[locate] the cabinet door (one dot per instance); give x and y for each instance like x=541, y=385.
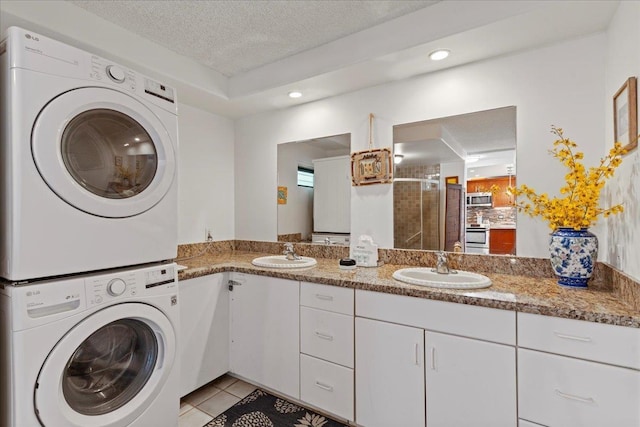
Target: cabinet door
x=204, y=330
x=469, y=382
x=265, y=332
x=502, y=241
x=501, y=198
x=389, y=374
x=332, y=195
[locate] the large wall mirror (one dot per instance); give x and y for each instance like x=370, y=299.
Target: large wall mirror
x=314, y=190
x=451, y=182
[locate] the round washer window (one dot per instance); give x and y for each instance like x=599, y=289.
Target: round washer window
x=110, y=367
x=109, y=153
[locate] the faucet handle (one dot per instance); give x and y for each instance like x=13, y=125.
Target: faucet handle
x=288, y=247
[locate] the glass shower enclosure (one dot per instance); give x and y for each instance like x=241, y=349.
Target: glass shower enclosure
x=416, y=210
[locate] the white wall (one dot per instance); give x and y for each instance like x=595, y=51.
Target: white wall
x=622, y=248
x=206, y=185
x=560, y=85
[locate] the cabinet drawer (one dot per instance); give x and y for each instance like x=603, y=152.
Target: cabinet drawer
x=483, y=323
x=326, y=297
x=327, y=386
x=327, y=335
x=560, y=391
x=617, y=345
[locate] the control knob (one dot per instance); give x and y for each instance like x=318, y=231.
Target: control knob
x=116, y=287
x=115, y=73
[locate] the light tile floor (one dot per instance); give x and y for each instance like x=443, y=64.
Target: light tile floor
x=209, y=401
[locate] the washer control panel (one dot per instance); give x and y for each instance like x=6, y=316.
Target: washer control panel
x=129, y=284
x=39, y=303
x=106, y=288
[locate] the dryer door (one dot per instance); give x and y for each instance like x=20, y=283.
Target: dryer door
x=108, y=369
x=103, y=152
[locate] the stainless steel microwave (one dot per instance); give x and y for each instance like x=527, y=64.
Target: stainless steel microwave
x=479, y=199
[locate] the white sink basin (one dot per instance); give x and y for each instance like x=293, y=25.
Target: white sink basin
x=424, y=276
x=281, y=261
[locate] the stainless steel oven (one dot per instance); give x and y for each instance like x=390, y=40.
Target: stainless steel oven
x=477, y=239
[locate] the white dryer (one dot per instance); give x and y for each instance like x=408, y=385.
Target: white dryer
x=88, y=160
x=91, y=351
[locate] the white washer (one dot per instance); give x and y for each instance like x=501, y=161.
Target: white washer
x=91, y=351
x=88, y=159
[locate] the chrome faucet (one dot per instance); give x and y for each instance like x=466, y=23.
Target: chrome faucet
x=290, y=252
x=327, y=241
x=442, y=266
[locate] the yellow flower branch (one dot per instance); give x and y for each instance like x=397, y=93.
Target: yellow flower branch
x=580, y=207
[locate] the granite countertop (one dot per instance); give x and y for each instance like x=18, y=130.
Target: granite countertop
x=508, y=292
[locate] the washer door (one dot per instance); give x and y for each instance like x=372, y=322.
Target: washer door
x=107, y=369
x=103, y=152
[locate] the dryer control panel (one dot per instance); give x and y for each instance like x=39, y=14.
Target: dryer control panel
x=30, y=51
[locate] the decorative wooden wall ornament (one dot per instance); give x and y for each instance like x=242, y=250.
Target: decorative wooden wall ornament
x=372, y=166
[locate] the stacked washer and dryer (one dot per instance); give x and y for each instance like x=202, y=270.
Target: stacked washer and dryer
x=88, y=225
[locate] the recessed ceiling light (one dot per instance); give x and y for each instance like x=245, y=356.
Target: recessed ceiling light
x=136, y=139
x=295, y=94
x=472, y=158
x=397, y=158
x=439, y=54
x=126, y=145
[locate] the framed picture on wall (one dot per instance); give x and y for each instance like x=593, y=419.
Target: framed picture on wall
x=625, y=115
x=282, y=195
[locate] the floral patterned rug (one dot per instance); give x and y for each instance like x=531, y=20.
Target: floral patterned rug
x=261, y=409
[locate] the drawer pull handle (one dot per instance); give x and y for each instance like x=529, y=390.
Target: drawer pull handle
x=324, y=386
x=324, y=297
x=574, y=397
x=324, y=336
x=417, y=351
x=572, y=337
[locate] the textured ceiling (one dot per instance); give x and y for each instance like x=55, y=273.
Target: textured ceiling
x=232, y=37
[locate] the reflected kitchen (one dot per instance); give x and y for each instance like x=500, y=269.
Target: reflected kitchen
x=451, y=183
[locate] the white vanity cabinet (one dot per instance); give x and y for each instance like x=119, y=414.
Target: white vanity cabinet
x=326, y=348
x=575, y=373
x=463, y=356
x=264, y=331
x=389, y=374
x=469, y=382
x=204, y=330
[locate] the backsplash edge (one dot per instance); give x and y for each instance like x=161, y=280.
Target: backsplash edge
x=606, y=277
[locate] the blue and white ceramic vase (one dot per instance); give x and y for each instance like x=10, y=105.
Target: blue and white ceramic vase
x=573, y=256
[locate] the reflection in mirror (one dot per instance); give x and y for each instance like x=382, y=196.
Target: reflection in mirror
x=436, y=163
x=314, y=190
